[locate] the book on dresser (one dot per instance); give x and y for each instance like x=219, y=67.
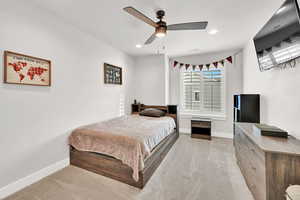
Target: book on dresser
x=269, y=164
x=267, y=130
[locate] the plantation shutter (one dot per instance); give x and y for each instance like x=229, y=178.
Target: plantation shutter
x=192, y=87
x=202, y=91
x=212, y=81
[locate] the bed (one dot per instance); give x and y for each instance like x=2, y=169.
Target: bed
x=128, y=148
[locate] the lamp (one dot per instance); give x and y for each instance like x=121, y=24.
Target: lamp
x=161, y=31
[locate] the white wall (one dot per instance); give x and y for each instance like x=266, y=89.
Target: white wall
x=222, y=128
x=149, y=80
x=279, y=89
x=167, y=79
x=36, y=121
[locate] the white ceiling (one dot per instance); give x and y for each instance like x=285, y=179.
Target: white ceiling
x=236, y=20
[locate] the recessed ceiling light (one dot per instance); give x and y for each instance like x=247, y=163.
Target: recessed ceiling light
x=213, y=31
x=138, y=46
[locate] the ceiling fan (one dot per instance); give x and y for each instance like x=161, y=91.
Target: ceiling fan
x=161, y=26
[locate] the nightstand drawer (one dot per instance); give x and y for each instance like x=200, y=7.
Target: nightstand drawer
x=201, y=129
x=201, y=124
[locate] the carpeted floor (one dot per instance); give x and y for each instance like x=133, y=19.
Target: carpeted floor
x=193, y=170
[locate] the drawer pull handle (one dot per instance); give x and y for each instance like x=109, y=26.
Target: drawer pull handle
x=254, y=168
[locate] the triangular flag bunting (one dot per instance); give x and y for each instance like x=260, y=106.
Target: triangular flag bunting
x=187, y=66
x=260, y=53
x=278, y=45
x=175, y=63
x=200, y=67
x=222, y=62
x=269, y=49
x=288, y=40
x=207, y=66
x=216, y=64
x=229, y=59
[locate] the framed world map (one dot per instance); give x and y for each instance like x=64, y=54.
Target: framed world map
x=26, y=70
x=112, y=74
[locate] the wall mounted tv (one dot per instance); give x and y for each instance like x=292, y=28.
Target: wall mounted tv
x=278, y=42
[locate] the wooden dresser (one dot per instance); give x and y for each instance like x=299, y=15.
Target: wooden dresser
x=269, y=164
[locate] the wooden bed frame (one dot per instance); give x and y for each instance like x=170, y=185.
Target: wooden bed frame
x=113, y=168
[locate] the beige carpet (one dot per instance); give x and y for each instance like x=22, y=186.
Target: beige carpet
x=193, y=170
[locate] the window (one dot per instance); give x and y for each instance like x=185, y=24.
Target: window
x=279, y=55
x=202, y=92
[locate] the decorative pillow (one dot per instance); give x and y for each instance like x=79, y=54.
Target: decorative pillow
x=152, y=112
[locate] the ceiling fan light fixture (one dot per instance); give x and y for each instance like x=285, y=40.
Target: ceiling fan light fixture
x=161, y=26
x=160, y=35
x=161, y=32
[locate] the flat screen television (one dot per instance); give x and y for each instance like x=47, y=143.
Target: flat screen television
x=278, y=42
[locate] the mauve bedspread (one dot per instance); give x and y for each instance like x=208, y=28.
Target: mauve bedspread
x=128, y=138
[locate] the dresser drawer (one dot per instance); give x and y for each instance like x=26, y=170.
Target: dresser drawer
x=251, y=162
x=251, y=153
x=257, y=187
x=254, y=178
x=241, y=145
x=255, y=152
x=270, y=165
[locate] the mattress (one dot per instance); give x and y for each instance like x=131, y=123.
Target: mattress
x=128, y=138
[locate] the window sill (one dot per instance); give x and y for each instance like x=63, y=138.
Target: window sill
x=221, y=117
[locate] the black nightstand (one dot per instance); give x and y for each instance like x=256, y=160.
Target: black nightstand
x=135, y=108
x=201, y=129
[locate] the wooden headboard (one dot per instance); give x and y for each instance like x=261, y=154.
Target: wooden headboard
x=163, y=108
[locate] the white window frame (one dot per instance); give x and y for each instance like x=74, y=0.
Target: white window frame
x=193, y=113
x=279, y=55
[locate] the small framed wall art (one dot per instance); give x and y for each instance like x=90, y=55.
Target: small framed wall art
x=112, y=74
x=26, y=70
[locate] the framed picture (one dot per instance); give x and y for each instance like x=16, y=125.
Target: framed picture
x=26, y=70
x=112, y=74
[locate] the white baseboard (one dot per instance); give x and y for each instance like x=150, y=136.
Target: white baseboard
x=214, y=134
x=185, y=130
x=32, y=178
x=222, y=135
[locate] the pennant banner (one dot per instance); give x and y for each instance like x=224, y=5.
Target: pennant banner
x=229, y=59
x=222, y=62
x=187, y=66
x=175, y=63
x=207, y=66
x=216, y=64
x=200, y=67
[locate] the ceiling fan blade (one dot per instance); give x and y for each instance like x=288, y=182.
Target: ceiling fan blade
x=134, y=12
x=151, y=39
x=188, y=26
